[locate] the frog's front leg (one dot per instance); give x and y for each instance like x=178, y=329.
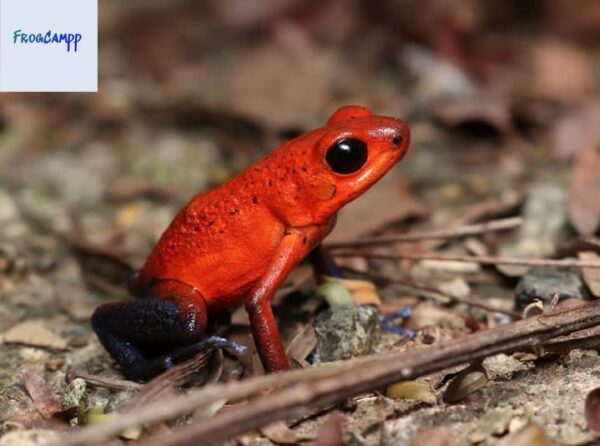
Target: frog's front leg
x=293, y=247
x=176, y=315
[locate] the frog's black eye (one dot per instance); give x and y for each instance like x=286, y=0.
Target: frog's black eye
x=347, y=155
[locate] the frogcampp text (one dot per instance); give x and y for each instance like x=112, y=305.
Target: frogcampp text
x=19, y=37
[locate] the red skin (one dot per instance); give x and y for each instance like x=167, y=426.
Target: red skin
x=237, y=243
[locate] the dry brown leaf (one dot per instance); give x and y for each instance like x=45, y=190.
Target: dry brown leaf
x=466, y=382
x=363, y=292
x=584, y=205
x=456, y=288
x=577, y=130
x=591, y=276
x=592, y=412
x=428, y=314
x=412, y=390
x=46, y=401
x=33, y=333
x=331, y=432
x=270, y=80
x=580, y=22
x=280, y=433
x=574, y=81
x=386, y=202
x=486, y=118
x=432, y=437
x=302, y=344
x=530, y=435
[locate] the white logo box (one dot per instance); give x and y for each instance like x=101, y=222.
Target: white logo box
x=49, y=45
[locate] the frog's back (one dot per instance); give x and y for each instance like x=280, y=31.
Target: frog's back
x=220, y=243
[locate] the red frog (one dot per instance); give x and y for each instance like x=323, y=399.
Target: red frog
x=238, y=242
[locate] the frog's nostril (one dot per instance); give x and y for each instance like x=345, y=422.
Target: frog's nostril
x=397, y=139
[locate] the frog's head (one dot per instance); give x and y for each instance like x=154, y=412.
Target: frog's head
x=352, y=152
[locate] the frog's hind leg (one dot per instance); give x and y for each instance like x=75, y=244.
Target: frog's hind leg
x=174, y=318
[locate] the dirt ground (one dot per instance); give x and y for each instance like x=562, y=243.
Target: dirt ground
x=503, y=103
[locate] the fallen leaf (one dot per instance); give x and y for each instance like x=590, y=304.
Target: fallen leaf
x=483, y=119
x=576, y=130
x=530, y=435
x=336, y=294
x=46, y=401
x=302, y=344
x=432, y=437
x=580, y=22
x=533, y=309
x=29, y=437
x=573, y=82
x=430, y=315
x=412, y=390
x=584, y=205
x=331, y=432
x=387, y=202
x=94, y=415
x=363, y=292
x=592, y=412
x=456, y=288
x=466, y=382
x=34, y=334
x=257, y=86
x=280, y=433
x=591, y=276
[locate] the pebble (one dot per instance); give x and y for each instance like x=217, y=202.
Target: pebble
x=542, y=282
x=345, y=332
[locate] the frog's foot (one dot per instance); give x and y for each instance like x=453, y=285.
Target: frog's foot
x=387, y=323
x=206, y=345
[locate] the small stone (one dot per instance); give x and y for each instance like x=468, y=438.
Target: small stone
x=74, y=394
x=31, y=437
x=543, y=282
x=544, y=222
x=493, y=423
x=345, y=332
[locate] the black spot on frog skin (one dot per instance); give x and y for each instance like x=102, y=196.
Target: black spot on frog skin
x=254, y=199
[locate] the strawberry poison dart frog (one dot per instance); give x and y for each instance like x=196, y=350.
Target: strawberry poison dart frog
x=237, y=243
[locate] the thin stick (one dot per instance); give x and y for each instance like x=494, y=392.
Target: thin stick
x=330, y=384
x=485, y=260
x=108, y=383
x=461, y=231
x=381, y=372
x=437, y=294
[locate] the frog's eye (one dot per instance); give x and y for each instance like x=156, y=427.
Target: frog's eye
x=347, y=155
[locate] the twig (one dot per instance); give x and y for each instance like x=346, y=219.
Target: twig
x=461, y=231
x=167, y=382
x=437, y=294
x=108, y=383
x=593, y=241
x=330, y=384
x=485, y=260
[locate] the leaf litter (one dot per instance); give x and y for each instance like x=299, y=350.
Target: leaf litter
x=180, y=116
